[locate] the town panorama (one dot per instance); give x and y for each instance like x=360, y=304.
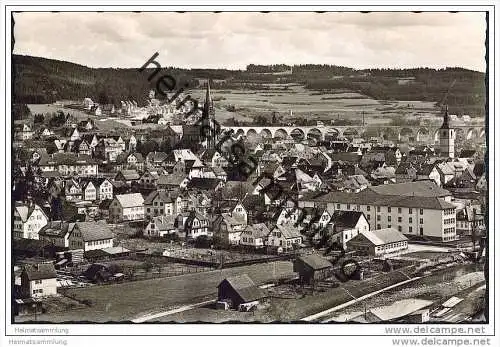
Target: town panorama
x=273, y=193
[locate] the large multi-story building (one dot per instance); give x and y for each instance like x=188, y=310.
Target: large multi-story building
x=418, y=208
x=69, y=164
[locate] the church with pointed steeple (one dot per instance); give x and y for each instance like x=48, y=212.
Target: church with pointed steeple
x=446, y=137
x=209, y=113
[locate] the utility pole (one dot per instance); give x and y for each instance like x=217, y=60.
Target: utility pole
x=473, y=231
x=36, y=309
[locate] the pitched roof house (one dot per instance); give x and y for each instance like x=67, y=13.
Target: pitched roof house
x=127, y=176
x=29, y=219
x=90, y=236
x=127, y=207
x=254, y=235
x=160, y=203
x=39, y=280
x=56, y=233
x=161, y=226
x=284, y=237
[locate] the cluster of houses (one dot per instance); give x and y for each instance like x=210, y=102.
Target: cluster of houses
x=371, y=198
x=162, y=112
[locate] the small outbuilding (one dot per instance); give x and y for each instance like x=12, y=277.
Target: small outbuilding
x=312, y=268
x=239, y=290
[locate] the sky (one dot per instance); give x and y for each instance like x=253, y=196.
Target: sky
x=234, y=40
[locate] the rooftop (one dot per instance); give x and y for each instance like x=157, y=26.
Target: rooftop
x=93, y=231
x=245, y=287
x=418, y=188
x=426, y=195
x=130, y=200
x=384, y=236
x=40, y=271
x=315, y=261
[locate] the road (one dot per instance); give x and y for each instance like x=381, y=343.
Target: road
x=414, y=247
x=132, y=300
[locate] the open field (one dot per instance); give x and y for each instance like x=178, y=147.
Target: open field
x=138, y=298
x=303, y=102
x=292, y=302
x=245, y=104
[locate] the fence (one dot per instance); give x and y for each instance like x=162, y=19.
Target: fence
x=144, y=275
x=196, y=262
x=258, y=261
x=230, y=264
x=173, y=266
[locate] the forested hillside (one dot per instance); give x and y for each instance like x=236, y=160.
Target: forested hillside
x=39, y=80
x=466, y=88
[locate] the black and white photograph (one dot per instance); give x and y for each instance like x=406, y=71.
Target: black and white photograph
x=328, y=169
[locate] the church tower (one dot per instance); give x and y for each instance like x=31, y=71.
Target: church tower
x=208, y=115
x=446, y=137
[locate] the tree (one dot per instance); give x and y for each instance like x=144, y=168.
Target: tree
x=29, y=185
x=20, y=188
x=171, y=237
x=202, y=242
x=114, y=268
x=260, y=120
x=51, y=147
x=20, y=111
x=165, y=146
x=39, y=118
x=56, y=208
x=147, y=147
x=57, y=119
x=102, y=98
